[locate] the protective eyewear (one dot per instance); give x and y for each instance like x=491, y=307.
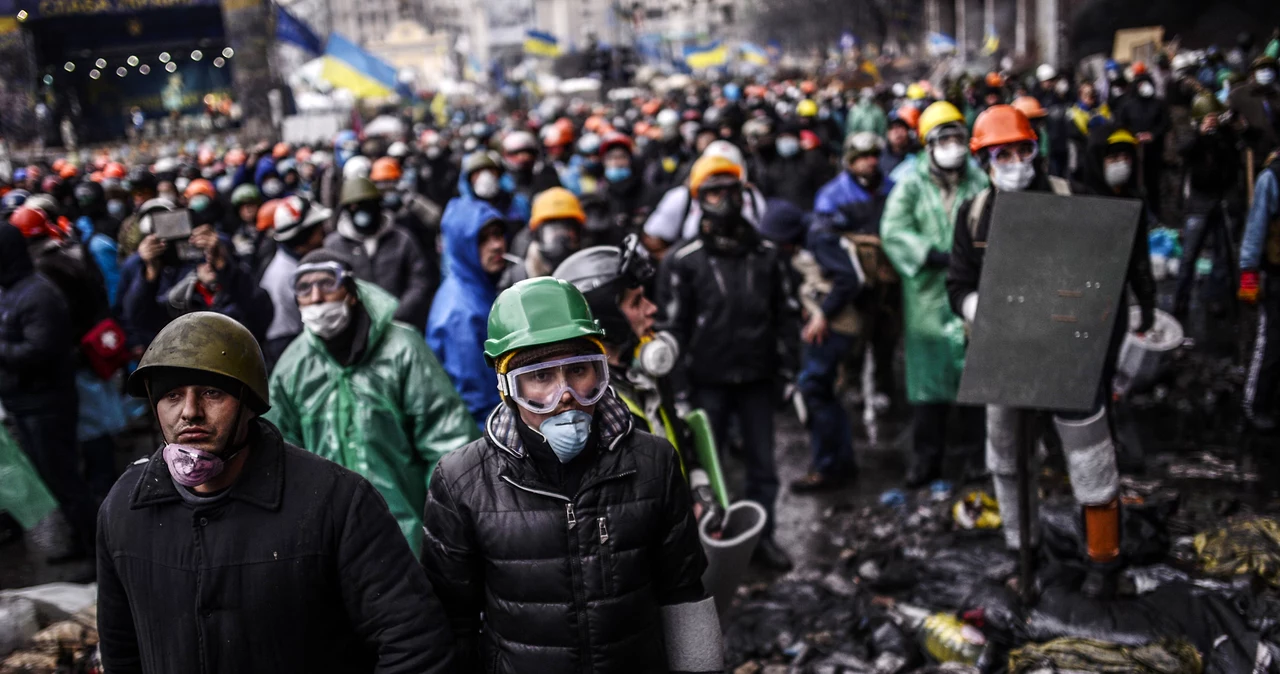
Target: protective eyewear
x=327, y=276
x=539, y=387
x=1014, y=152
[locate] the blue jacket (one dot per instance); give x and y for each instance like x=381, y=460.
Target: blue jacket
x=843, y=206
x=1266, y=207
x=104, y=251
x=459, y=319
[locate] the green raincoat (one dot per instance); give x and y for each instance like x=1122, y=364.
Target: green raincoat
x=917, y=219
x=389, y=417
x=866, y=116
x=22, y=493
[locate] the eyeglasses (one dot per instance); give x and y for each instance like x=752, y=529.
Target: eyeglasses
x=1014, y=152
x=539, y=387
x=327, y=276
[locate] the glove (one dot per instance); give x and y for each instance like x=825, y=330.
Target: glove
x=1248, y=292
x=937, y=258
x=1148, y=319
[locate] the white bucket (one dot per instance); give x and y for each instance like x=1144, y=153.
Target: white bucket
x=1141, y=357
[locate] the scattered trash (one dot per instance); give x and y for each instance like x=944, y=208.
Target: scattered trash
x=17, y=623
x=977, y=510
x=940, y=491
x=949, y=639
x=1167, y=656
x=1250, y=546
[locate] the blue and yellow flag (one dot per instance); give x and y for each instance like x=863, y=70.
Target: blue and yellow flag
x=707, y=56
x=538, y=43
x=753, y=54
x=990, y=41
x=349, y=67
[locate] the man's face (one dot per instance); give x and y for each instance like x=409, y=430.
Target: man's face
x=865, y=166
x=897, y=135
x=493, y=245
x=521, y=161
x=319, y=287
x=703, y=140
x=201, y=417
x=567, y=401
x=249, y=213
x=617, y=158
x=1088, y=95
x=638, y=310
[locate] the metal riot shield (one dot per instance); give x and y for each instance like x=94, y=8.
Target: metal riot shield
x=1051, y=284
x=704, y=446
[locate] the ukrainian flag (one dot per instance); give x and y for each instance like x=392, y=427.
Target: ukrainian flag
x=538, y=43
x=349, y=67
x=709, y=56
x=753, y=54
x=990, y=41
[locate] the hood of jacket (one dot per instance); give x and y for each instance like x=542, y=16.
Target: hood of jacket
x=1094, y=171
x=266, y=168
x=463, y=219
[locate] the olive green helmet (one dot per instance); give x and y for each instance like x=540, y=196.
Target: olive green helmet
x=211, y=343
x=536, y=312
x=479, y=161
x=1205, y=104
x=357, y=190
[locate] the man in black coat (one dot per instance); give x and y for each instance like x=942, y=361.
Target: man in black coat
x=564, y=540
x=230, y=550
x=37, y=381
x=1147, y=118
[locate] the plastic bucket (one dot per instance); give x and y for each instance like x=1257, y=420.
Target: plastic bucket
x=728, y=556
x=1141, y=358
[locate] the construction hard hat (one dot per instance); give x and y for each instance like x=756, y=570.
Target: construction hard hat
x=916, y=92
x=358, y=166
x=1029, y=106
x=1121, y=137
x=1205, y=104
x=614, y=139
x=861, y=144
x=709, y=166
x=386, y=169
x=556, y=203
x=32, y=222
x=1001, y=125
x=939, y=114
x=204, y=343
x=907, y=114
x=479, y=161
x=519, y=141
x=537, y=312
x=807, y=108
x=994, y=80
x=1046, y=72
x=356, y=190
x=199, y=187
x=1139, y=68
x=294, y=215
x=235, y=157
x=245, y=194
x=398, y=149
x=114, y=170
x=280, y=151
x=267, y=214
x=68, y=171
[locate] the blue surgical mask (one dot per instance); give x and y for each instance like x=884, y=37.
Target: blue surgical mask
x=567, y=433
x=617, y=174
x=788, y=147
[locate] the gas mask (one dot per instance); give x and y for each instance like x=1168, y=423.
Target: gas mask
x=367, y=216
x=787, y=146
x=656, y=355
x=1013, y=177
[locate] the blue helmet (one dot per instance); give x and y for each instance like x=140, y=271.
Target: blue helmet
x=13, y=201
x=345, y=146
x=732, y=92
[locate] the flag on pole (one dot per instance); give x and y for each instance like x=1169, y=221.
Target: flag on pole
x=753, y=54
x=990, y=41
x=707, y=56
x=939, y=44
x=290, y=29
x=349, y=67
x=538, y=43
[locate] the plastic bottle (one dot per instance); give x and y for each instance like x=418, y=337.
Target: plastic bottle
x=949, y=639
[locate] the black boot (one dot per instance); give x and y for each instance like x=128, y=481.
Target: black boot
x=771, y=556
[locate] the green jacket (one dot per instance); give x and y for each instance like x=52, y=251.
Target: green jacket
x=866, y=117
x=915, y=221
x=389, y=417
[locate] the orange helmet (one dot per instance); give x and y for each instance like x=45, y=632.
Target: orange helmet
x=1001, y=125
x=1139, y=68
x=386, y=169
x=267, y=214
x=235, y=157
x=808, y=87
x=205, y=156
x=114, y=170
x=197, y=187
x=594, y=123
x=709, y=166
x=32, y=222
x=995, y=80
x=1030, y=107
x=280, y=151
x=911, y=115
x=614, y=139
x=58, y=164
x=557, y=135
x=95, y=177
x=651, y=108
x=556, y=203
x=303, y=155
x=68, y=171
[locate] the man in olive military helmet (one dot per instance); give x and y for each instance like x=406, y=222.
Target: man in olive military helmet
x=230, y=550
x=564, y=539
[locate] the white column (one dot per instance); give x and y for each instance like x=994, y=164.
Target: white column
x=962, y=29
x=1047, y=31
x=1020, y=27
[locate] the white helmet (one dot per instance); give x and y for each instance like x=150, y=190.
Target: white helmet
x=398, y=150
x=899, y=90
x=358, y=166
x=1046, y=72
x=296, y=214
x=518, y=141
x=723, y=148
x=668, y=118
x=151, y=206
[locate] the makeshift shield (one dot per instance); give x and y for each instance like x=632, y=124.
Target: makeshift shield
x=704, y=446
x=1051, y=285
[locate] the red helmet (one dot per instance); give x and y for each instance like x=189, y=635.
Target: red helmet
x=616, y=139
x=32, y=222
x=114, y=170
x=200, y=186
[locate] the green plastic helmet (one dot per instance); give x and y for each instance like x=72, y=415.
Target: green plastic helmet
x=245, y=194
x=479, y=160
x=536, y=312
x=1205, y=104
x=357, y=190
x=205, y=341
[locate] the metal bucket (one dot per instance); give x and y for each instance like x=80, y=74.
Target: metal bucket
x=1141, y=358
x=728, y=556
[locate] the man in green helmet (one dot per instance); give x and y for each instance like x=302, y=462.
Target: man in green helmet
x=564, y=539
x=230, y=550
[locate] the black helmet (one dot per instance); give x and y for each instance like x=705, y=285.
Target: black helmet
x=602, y=274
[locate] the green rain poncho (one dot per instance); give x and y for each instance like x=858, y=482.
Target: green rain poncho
x=916, y=220
x=22, y=493
x=389, y=417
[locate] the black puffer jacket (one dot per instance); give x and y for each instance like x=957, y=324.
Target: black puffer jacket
x=299, y=568
x=732, y=311
x=576, y=582
x=37, y=370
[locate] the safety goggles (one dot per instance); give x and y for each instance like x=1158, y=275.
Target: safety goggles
x=327, y=276
x=1014, y=152
x=539, y=387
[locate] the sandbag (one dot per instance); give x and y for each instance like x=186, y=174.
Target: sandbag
x=1249, y=546
x=1168, y=656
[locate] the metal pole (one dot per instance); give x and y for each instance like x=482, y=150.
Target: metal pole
x=1020, y=28
x=1027, y=560
x=962, y=29
x=988, y=20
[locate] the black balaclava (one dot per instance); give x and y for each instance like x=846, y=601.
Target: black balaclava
x=15, y=261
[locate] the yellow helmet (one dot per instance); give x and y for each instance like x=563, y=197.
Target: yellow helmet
x=937, y=115
x=916, y=92
x=556, y=203
x=1121, y=136
x=807, y=108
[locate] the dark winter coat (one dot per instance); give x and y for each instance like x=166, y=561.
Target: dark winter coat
x=397, y=265
x=37, y=367
x=299, y=568
x=70, y=268
x=795, y=179
x=567, y=580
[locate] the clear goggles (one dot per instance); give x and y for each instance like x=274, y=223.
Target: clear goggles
x=539, y=387
x=1010, y=153
x=327, y=276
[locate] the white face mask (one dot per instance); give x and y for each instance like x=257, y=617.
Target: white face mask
x=486, y=185
x=326, y=319
x=1013, y=177
x=950, y=157
x=1062, y=87
x=1265, y=76
x=1146, y=90
x=1118, y=173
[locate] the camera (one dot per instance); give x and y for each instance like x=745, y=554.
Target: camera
x=174, y=228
